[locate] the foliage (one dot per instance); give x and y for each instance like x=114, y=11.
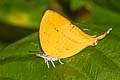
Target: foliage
x=93, y=63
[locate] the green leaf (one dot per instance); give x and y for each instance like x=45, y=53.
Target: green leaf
x=99, y=62
x=23, y=13
x=9, y=33
x=93, y=63
x=3, y=44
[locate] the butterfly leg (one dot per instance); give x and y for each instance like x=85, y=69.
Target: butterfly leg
x=60, y=62
x=52, y=63
x=47, y=63
x=45, y=60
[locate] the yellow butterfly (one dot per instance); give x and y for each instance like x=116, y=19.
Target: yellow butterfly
x=59, y=38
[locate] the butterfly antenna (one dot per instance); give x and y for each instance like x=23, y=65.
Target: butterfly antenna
x=38, y=53
x=35, y=52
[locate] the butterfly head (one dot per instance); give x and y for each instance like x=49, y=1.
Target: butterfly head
x=45, y=56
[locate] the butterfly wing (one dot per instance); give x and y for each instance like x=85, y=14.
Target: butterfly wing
x=59, y=38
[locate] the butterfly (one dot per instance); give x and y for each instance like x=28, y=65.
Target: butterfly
x=59, y=38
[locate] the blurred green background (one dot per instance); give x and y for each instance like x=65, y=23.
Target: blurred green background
x=19, y=26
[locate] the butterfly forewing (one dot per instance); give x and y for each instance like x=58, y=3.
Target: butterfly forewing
x=59, y=38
